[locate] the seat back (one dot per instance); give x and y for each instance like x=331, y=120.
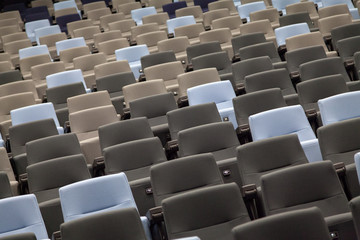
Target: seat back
x=201, y=49
x=87, y=101
x=41, y=32
x=157, y=58
x=259, y=50
x=246, y=9
x=137, y=14
x=305, y=40
x=250, y=66
x=70, y=43
x=178, y=22
x=65, y=77
x=132, y=54
x=246, y=40
x=328, y=23
x=343, y=32
x=282, y=33
x=215, y=14
x=170, y=8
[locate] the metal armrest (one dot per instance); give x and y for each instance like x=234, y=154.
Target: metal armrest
x=183, y=101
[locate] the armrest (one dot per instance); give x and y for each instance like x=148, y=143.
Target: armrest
x=102, y=30
x=183, y=101
x=155, y=215
x=44, y=98
x=133, y=42
x=240, y=89
x=99, y=166
x=84, y=16
x=171, y=147
x=56, y=235
x=113, y=10
x=24, y=186
x=207, y=28
x=171, y=35
x=280, y=13
x=327, y=40
x=17, y=66
x=142, y=78
x=282, y=50
x=295, y=78
x=2, y=50
x=67, y=128
x=94, y=50
x=189, y=68
x=249, y=194
x=56, y=59
x=236, y=58
x=34, y=43
x=127, y=114
x=7, y=144
x=244, y=20
x=341, y=172
x=243, y=132
x=94, y=88
x=349, y=63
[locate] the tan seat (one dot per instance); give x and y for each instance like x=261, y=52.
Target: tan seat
x=88, y=101
x=167, y=72
x=50, y=41
x=143, y=89
x=145, y=28
x=106, y=36
x=5, y=166
x=27, y=63
x=67, y=56
x=215, y=14
x=9, y=22
x=5, y=66
x=178, y=45
x=328, y=23
x=13, y=37
x=271, y=14
x=13, y=14
x=116, y=3
x=12, y=48
x=158, y=4
x=195, y=11
x=105, y=20
x=87, y=63
x=229, y=4
x=263, y=26
x=124, y=26
x=88, y=34
x=110, y=68
x=308, y=6
x=222, y=35
x=307, y=40
x=93, y=5
x=333, y=10
x=19, y=87
x=151, y=39
x=109, y=47
x=71, y=26
x=94, y=15
x=231, y=22
x=159, y=18
x=127, y=7
x=192, y=32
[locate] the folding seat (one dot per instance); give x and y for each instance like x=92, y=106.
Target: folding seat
x=13, y=37
x=10, y=76
x=50, y=42
x=144, y=28
x=62, y=21
x=342, y=149
x=67, y=11
x=271, y=13
x=130, y=226
x=132, y=55
x=143, y=89
x=179, y=22
x=138, y=14
x=106, y=36
x=343, y=32
x=203, y=4
x=19, y=6
x=307, y=40
x=326, y=67
x=6, y=168
x=221, y=93
x=105, y=20
x=110, y=68
x=48, y=3
x=86, y=64
x=126, y=8
x=170, y=8
x=191, y=31
x=5, y=57
x=20, y=236
x=94, y=15
x=282, y=33
x=70, y=43
x=231, y=22
x=40, y=32
x=65, y=77
x=37, y=13
x=13, y=14
x=195, y=78
x=219, y=60
x=209, y=224
x=224, y=4
x=151, y=39
x=88, y=34
x=294, y=18
x=93, y=5
x=157, y=58
x=260, y=50
x=71, y=26
x=286, y=120
x=67, y=56
x=109, y=47
x=326, y=194
x=5, y=190
x=354, y=206
x=158, y=4
x=208, y=17
x=19, y=87
x=307, y=223
x=33, y=51
x=5, y=66
x=308, y=7
x=250, y=66
x=178, y=45
x=72, y=202
x=222, y=35
x=124, y=26
x=31, y=26
x=12, y=48
x=23, y=214
x=28, y=62
x=276, y=78
x=295, y=58
x=159, y=18
x=244, y=40
x=245, y=9
x=334, y=7
x=194, y=11
x=280, y=5
x=65, y=4
x=263, y=26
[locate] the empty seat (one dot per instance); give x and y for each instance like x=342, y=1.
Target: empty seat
x=170, y=8
x=159, y=18
x=151, y=39
x=194, y=11
x=208, y=17
x=231, y=22
x=157, y=58
x=222, y=35
x=191, y=31
x=65, y=77
x=109, y=68
x=282, y=33
x=304, y=7
x=281, y=5
x=105, y=20
x=263, y=26
x=245, y=9
x=295, y=18
x=178, y=45
x=178, y=22
x=109, y=47
x=246, y=40
x=137, y=14
x=31, y=26
x=86, y=64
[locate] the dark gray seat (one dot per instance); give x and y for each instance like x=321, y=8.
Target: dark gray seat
x=245, y=40
x=294, y=18
x=309, y=185
x=345, y=31
x=115, y=224
x=20, y=236
x=10, y=76
x=355, y=209
x=201, y=49
x=297, y=225
x=187, y=214
x=157, y=58
x=5, y=187
x=167, y=179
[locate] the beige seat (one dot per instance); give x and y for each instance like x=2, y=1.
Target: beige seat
x=231, y=22
x=145, y=28
x=25, y=86
x=27, y=63
x=195, y=11
x=192, y=32
x=13, y=14
x=109, y=47
x=13, y=37
x=178, y=45
x=9, y=22
x=87, y=63
x=12, y=48
x=159, y=18
x=308, y=6
x=151, y=39
x=39, y=73
x=110, y=68
x=263, y=26
x=106, y=36
x=71, y=26
x=105, y=20
x=5, y=66
x=5, y=166
x=88, y=34
x=307, y=40
x=222, y=35
x=229, y=4
x=67, y=56
x=168, y=72
x=127, y=7
x=116, y=3
x=214, y=14
x=143, y=89
x=158, y=4
x=124, y=26
x=50, y=41
x=328, y=23
x=271, y=14
x=94, y=15
x=333, y=10
x=93, y=6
